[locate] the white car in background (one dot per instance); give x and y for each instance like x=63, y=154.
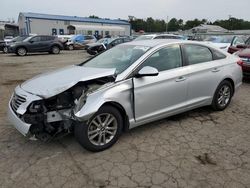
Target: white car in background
x=224, y=42
x=8, y=38
x=159, y=36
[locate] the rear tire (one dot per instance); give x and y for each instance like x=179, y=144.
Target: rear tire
x=21, y=51
x=222, y=96
x=55, y=50
x=101, y=131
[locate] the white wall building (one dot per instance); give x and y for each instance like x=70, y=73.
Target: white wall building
x=47, y=24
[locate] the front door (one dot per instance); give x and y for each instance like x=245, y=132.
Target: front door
x=157, y=96
x=35, y=44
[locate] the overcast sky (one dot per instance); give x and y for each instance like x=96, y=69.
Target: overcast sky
x=181, y=9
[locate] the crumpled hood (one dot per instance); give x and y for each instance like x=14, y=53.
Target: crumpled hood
x=52, y=83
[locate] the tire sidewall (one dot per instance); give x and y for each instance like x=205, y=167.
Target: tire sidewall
x=21, y=54
x=81, y=130
x=5, y=50
x=215, y=104
x=58, y=49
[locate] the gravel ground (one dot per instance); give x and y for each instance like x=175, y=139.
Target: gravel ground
x=200, y=148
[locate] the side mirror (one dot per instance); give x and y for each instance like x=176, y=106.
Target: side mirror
x=31, y=41
x=147, y=71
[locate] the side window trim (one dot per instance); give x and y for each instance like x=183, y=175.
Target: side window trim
x=183, y=56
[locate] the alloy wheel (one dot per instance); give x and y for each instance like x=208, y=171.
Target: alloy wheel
x=55, y=50
x=102, y=129
x=224, y=95
x=5, y=49
x=21, y=51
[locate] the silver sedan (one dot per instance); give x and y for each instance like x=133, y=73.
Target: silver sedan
x=127, y=86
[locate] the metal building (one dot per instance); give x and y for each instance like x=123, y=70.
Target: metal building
x=47, y=24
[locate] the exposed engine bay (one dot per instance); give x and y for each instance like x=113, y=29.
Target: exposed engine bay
x=54, y=116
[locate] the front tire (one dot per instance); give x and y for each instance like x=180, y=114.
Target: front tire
x=101, y=131
x=21, y=51
x=222, y=96
x=5, y=50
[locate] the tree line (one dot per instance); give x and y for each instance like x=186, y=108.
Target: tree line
x=160, y=25
x=156, y=25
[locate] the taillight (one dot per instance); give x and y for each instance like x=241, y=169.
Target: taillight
x=240, y=62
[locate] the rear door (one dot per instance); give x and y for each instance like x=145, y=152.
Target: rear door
x=157, y=96
x=46, y=42
x=204, y=73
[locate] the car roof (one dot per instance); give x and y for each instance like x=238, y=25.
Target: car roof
x=158, y=42
x=153, y=43
x=163, y=34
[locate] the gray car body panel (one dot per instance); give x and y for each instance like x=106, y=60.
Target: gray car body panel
x=144, y=99
x=45, y=85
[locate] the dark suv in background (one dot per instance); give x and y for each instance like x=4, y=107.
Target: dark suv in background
x=37, y=43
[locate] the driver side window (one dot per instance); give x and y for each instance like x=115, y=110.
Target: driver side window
x=165, y=59
x=35, y=39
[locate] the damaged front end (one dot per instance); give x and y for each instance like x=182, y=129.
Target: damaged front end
x=52, y=117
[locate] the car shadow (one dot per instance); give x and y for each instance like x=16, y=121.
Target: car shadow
x=202, y=111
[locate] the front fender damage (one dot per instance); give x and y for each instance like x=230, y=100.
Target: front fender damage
x=56, y=116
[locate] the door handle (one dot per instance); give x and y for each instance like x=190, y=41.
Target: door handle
x=180, y=79
x=215, y=70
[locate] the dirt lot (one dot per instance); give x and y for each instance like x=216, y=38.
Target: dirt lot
x=200, y=148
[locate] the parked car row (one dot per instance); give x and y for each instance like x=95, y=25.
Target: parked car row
x=105, y=44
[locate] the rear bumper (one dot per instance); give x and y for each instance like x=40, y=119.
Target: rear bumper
x=21, y=126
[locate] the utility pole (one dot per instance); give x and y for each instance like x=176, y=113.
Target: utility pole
x=167, y=25
x=230, y=22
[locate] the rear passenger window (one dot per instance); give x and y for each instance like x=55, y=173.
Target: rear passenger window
x=197, y=54
x=218, y=55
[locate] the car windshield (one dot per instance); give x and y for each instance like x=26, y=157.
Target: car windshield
x=220, y=39
x=144, y=37
x=19, y=39
x=105, y=40
x=119, y=57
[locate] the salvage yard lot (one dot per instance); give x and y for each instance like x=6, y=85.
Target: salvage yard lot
x=201, y=148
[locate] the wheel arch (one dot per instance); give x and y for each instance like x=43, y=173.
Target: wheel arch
x=21, y=47
x=57, y=45
x=122, y=111
x=232, y=83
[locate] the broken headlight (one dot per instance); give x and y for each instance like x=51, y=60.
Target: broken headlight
x=81, y=101
x=36, y=107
